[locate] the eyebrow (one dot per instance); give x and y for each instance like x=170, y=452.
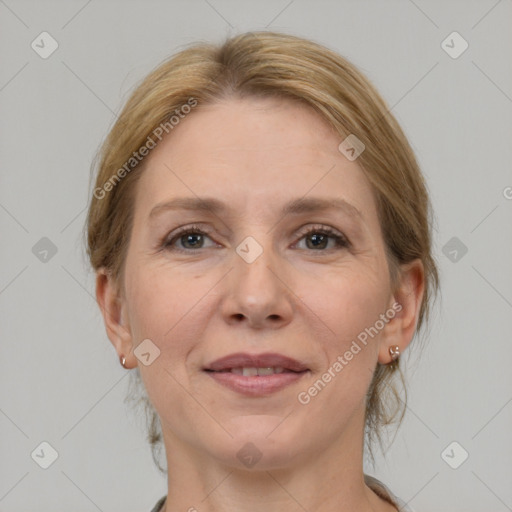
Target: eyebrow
x=294, y=207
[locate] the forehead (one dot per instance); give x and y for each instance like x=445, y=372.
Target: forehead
x=252, y=152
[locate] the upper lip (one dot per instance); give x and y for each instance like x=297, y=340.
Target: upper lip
x=267, y=360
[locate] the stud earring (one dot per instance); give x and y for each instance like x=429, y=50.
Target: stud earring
x=394, y=352
x=122, y=360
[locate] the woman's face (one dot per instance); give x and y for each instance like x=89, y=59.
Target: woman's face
x=279, y=272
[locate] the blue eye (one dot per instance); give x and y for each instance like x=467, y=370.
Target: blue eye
x=192, y=238
x=192, y=235
x=320, y=237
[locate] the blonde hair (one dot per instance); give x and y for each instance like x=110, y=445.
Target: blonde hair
x=270, y=64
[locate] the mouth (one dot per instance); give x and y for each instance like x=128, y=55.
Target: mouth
x=256, y=375
x=249, y=371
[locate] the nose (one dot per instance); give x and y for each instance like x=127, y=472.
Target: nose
x=257, y=293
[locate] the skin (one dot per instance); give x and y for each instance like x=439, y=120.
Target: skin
x=296, y=299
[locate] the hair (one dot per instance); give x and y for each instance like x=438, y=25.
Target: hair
x=270, y=64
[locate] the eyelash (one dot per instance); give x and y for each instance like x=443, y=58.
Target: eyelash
x=341, y=241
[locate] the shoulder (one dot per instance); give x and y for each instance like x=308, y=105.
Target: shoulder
x=384, y=492
x=159, y=504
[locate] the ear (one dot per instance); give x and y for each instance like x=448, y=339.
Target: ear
x=113, y=309
x=406, y=303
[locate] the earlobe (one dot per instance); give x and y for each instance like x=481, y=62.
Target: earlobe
x=406, y=302
x=114, y=316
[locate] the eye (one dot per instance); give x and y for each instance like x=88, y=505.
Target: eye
x=318, y=238
x=190, y=237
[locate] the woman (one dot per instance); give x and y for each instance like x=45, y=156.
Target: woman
x=261, y=237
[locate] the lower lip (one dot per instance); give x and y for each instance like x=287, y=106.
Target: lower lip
x=256, y=385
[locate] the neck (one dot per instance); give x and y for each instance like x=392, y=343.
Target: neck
x=329, y=481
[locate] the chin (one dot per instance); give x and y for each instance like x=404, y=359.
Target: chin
x=259, y=443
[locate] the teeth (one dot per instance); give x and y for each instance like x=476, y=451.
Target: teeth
x=265, y=371
x=252, y=372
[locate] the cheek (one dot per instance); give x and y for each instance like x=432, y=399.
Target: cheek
x=348, y=302
x=172, y=309
x=168, y=309
x=350, y=305
x=158, y=299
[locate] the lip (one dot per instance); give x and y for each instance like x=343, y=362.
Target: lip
x=219, y=370
x=266, y=360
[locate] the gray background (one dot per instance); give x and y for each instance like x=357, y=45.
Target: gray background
x=60, y=380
